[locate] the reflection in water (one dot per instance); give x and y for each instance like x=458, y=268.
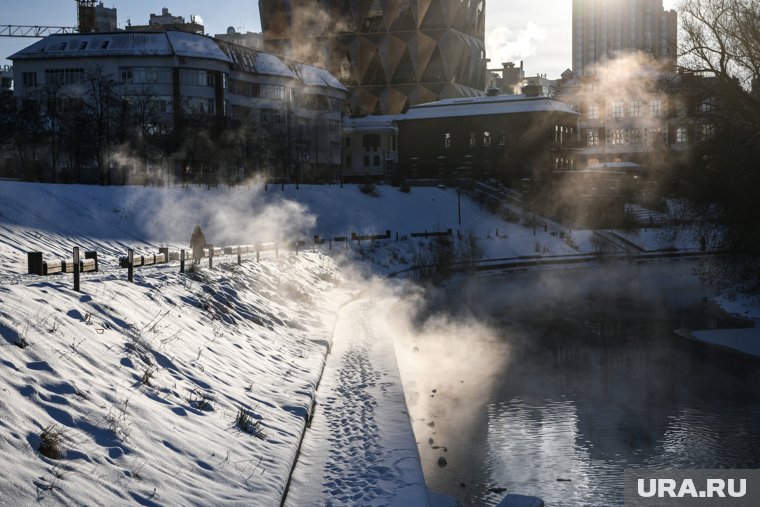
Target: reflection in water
x=596, y=382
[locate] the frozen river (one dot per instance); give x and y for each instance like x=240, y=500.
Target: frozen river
x=579, y=378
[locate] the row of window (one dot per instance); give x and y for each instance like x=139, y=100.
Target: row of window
x=486, y=136
x=635, y=109
x=646, y=135
x=373, y=142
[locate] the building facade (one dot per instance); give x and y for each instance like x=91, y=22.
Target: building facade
x=391, y=55
x=648, y=118
x=266, y=108
x=509, y=137
x=370, y=147
x=604, y=30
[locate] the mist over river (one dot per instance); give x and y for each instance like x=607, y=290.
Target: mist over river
x=556, y=381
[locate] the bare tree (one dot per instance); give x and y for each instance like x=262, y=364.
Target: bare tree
x=720, y=45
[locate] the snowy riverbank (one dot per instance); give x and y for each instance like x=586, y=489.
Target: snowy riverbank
x=196, y=389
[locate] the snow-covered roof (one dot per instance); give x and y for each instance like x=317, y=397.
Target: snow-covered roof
x=267, y=63
x=315, y=76
x=372, y=123
x=481, y=106
x=196, y=46
x=97, y=44
x=175, y=43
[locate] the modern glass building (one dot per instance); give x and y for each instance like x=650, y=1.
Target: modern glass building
x=392, y=54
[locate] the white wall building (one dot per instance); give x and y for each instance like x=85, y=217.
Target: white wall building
x=179, y=75
x=370, y=147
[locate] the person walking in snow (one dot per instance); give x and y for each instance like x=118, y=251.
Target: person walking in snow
x=198, y=243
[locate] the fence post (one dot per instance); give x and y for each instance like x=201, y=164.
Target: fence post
x=239, y=256
x=130, y=265
x=92, y=255
x=164, y=250
x=257, y=252
x=210, y=256
x=182, y=261
x=34, y=262
x=76, y=268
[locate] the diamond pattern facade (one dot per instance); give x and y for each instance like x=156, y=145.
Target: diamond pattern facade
x=392, y=54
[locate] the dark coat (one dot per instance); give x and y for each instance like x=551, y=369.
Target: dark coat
x=198, y=243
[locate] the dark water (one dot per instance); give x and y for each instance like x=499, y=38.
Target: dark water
x=591, y=381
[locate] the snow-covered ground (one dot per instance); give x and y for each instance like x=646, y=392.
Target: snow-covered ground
x=195, y=389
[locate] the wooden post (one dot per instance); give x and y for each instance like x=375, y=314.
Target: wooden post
x=92, y=255
x=182, y=261
x=210, y=256
x=257, y=252
x=239, y=257
x=130, y=265
x=76, y=268
x=34, y=262
x=164, y=250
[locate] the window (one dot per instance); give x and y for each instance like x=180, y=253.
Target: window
x=196, y=77
x=618, y=136
x=371, y=142
x=486, y=138
x=636, y=136
x=706, y=106
x=592, y=137
x=447, y=140
x=655, y=135
x=200, y=106
x=333, y=126
x=64, y=76
x=502, y=138
x=682, y=135
x=376, y=160
x=83, y=45
x=29, y=79
x=655, y=108
x=64, y=105
x=706, y=132
x=160, y=105
x=592, y=112
x=472, y=140
x=105, y=44
x=271, y=117
x=618, y=109
x=272, y=92
x=146, y=75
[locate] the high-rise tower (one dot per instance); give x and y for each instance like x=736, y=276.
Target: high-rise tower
x=606, y=29
x=392, y=54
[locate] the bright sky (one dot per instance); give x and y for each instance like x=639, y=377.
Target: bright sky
x=537, y=32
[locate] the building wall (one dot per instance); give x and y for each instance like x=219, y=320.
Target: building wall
x=391, y=55
x=509, y=146
x=649, y=119
x=604, y=30
x=223, y=84
x=370, y=148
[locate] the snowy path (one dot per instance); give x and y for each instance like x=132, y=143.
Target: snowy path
x=360, y=449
